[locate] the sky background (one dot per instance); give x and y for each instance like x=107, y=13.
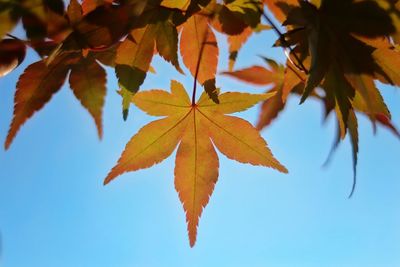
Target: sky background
x=55, y=212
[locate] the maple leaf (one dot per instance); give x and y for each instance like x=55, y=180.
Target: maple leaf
x=35, y=88
x=97, y=28
x=101, y=28
x=284, y=80
x=197, y=128
x=338, y=41
x=326, y=35
x=40, y=82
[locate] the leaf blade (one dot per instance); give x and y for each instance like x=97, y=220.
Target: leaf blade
x=231, y=102
x=151, y=145
x=35, y=88
x=196, y=172
x=162, y=103
x=88, y=83
x=232, y=136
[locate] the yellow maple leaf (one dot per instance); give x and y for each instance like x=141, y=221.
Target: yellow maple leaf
x=197, y=128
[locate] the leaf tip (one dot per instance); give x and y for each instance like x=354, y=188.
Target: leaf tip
x=12, y=132
x=283, y=169
x=125, y=113
x=275, y=164
x=7, y=145
x=108, y=179
x=100, y=132
x=111, y=176
x=303, y=98
x=192, y=234
x=353, y=188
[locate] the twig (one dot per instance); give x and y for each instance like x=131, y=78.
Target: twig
x=13, y=37
x=285, y=44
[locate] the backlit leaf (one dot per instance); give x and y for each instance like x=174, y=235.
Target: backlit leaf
x=283, y=81
x=151, y=145
x=232, y=102
x=197, y=128
x=35, y=88
x=244, y=145
x=196, y=171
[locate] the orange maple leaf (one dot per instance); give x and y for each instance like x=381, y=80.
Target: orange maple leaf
x=197, y=128
x=285, y=80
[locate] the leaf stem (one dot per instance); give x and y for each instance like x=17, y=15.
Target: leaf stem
x=13, y=37
x=198, y=68
x=285, y=44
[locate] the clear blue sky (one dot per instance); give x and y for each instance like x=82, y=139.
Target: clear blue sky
x=55, y=212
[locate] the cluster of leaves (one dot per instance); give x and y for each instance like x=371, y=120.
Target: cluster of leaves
x=341, y=47
x=336, y=51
